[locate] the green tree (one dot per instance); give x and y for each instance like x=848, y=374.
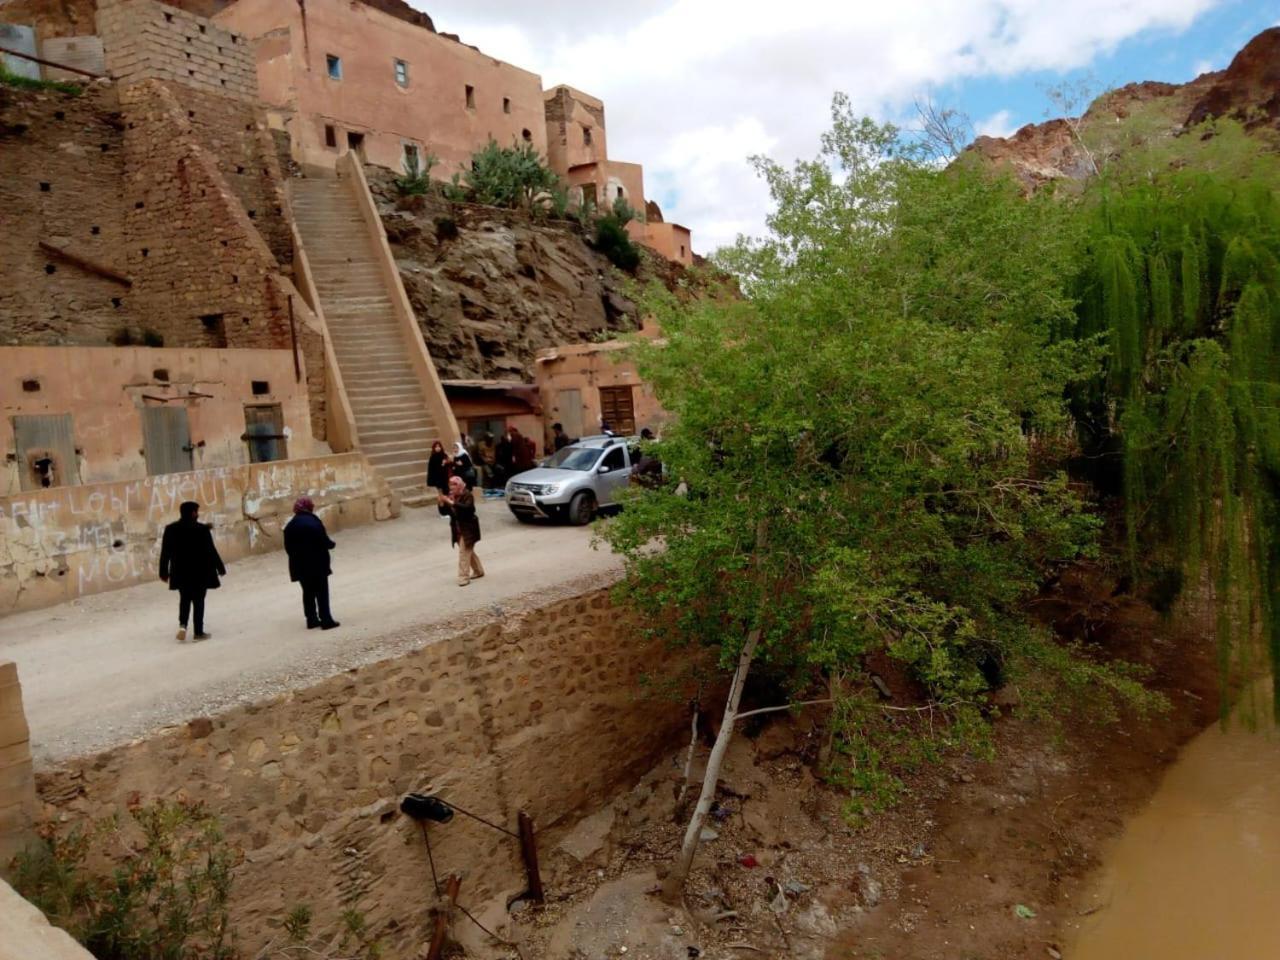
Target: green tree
x=868, y=441
x=509, y=176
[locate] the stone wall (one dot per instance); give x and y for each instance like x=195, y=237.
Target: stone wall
x=544, y=713
x=25, y=934
x=61, y=171
x=148, y=40
x=65, y=542
x=17, y=782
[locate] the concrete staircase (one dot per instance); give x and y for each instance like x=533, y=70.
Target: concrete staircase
x=394, y=427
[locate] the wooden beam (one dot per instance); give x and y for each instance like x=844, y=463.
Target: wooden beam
x=86, y=264
x=49, y=63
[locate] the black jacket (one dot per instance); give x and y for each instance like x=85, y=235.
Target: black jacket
x=464, y=524
x=307, y=543
x=438, y=471
x=188, y=558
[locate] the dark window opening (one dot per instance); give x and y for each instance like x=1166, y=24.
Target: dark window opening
x=45, y=186
x=260, y=387
x=334, y=66
x=59, y=114
x=330, y=135
x=471, y=97
x=30, y=386
x=506, y=104
x=526, y=136
x=586, y=136
x=168, y=18
x=239, y=169
x=211, y=320
x=160, y=373
x=202, y=28
x=253, y=214
x=145, y=251
x=355, y=143
x=116, y=302
x=682, y=249
x=95, y=230
x=50, y=268
x=138, y=205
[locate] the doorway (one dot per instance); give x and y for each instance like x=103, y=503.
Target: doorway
x=46, y=451
x=569, y=405
x=355, y=143
x=264, y=432
x=166, y=439
x=617, y=409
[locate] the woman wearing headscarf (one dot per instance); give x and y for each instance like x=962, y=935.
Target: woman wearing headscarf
x=307, y=543
x=462, y=467
x=438, y=468
x=465, y=527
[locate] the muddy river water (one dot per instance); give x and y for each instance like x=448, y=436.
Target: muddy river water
x=1196, y=874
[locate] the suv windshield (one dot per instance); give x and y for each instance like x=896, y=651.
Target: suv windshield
x=574, y=458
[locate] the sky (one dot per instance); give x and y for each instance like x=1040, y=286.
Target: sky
x=692, y=88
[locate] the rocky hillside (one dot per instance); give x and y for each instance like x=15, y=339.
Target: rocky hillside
x=491, y=287
x=1066, y=150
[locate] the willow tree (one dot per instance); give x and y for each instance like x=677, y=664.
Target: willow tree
x=866, y=441
x=1183, y=276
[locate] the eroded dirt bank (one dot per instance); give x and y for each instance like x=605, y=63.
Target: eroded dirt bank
x=941, y=876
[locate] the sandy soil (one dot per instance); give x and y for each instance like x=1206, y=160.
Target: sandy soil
x=107, y=669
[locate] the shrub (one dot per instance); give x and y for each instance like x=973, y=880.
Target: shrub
x=416, y=181
x=612, y=240
x=509, y=176
x=168, y=900
x=8, y=79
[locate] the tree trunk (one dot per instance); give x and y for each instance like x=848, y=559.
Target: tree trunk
x=673, y=884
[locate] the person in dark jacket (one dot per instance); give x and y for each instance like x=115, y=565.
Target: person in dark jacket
x=307, y=543
x=465, y=527
x=438, y=468
x=190, y=564
x=559, y=439
x=504, y=459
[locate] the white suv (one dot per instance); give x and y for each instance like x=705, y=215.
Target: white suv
x=576, y=482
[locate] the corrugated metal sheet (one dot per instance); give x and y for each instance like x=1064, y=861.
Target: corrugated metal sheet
x=23, y=39
x=167, y=439
x=46, y=450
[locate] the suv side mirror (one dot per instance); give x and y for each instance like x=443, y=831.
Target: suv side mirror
x=604, y=470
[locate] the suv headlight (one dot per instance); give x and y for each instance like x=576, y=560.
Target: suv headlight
x=549, y=489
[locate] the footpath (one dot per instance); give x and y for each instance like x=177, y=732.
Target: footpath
x=106, y=669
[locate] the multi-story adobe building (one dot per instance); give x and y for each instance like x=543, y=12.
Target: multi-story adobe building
x=340, y=76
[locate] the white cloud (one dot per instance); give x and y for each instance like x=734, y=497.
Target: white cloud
x=1201, y=66
x=999, y=124
x=693, y=86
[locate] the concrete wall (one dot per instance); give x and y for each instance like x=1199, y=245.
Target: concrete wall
x=25, y=934
x=17, y=782
x=105, y=388
x=669, y=239
x=66, y=542
x=544, y=712
x=568, y=113
x=586, y=368
x=430, y=110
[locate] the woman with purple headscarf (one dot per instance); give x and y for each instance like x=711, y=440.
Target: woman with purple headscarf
x=307, y=543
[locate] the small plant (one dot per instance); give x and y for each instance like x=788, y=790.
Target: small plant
x=8, y=79
x=612, y=240
x=416, y=181
x=166, y=901
x=454, y=191
x=352, y=943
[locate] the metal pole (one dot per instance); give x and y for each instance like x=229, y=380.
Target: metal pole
x=529, y=852
x=452, y=886
x=293, y=338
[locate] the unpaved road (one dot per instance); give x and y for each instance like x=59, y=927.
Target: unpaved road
x=106, y=669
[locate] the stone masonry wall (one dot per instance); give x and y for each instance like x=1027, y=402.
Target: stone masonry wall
x=544, y=713
x=61, y=170
x=61, y=543
x=17, y=782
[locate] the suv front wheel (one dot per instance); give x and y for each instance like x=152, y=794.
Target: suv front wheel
x=581, y=508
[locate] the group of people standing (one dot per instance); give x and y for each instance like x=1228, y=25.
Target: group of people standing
x=454, y=480
x=190, y=564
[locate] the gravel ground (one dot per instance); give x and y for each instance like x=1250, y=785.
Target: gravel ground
x=106, y=669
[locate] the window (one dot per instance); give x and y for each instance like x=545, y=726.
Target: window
x=402, y=73
x=412, y=162
x=334, y=65
x=330, y=136
x=682, y=250
x=526, y=136
x=264, y=433
x=471, y=97
x=506, y=104
x=613, y=460
x=586, y=136
x=620, y=193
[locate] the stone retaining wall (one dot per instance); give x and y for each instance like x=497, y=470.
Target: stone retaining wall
x=544, y=713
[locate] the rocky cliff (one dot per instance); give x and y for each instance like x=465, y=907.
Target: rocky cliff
x=1070, y=150
x=491, y=287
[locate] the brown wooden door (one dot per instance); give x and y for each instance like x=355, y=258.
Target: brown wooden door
x=617, y=409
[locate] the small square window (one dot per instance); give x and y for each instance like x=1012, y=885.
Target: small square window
x=402, y=73
x=471, y=97
x=334, y=65
x=330, y=136
x=586, y=136
x=260, y=388
x=506, y=104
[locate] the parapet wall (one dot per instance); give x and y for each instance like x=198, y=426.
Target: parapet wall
x=65, y=542
x=17, y=782
x=545, y=712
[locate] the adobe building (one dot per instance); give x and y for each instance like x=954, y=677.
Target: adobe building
x=339, y=76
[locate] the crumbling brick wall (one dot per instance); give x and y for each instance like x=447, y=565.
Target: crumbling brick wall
x=61, y=174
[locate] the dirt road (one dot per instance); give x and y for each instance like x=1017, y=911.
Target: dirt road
x=107, y=669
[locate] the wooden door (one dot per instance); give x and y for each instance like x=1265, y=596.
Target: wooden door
x=46, y=451
x=166, y=439
x=617, y=409
x=569, y=405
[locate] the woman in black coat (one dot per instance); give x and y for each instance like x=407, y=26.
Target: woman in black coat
x=190, y=564
x=438, y=468
x=307, y=543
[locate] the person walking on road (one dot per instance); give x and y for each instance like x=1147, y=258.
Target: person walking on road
x=307, y=543
x=190, y=564
x=465, y=528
